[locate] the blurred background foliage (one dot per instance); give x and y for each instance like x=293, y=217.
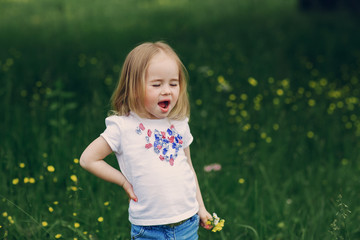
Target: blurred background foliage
x=274, y=89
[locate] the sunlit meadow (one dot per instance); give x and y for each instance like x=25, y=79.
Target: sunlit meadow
x=275, y=114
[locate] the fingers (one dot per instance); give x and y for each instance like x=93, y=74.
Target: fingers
x=130, y=191
x=204, y=217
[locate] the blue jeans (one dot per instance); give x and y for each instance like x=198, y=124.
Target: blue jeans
x=186, y=231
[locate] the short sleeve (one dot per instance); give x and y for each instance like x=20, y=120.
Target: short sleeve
x=112, y=133
x=187, y=138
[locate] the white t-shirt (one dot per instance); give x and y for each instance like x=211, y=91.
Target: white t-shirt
x=150, y=153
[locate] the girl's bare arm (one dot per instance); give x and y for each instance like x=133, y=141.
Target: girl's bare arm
x=92, y=160
x=203, y=213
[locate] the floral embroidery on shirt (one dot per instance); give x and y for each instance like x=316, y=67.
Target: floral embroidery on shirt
x=166, y=144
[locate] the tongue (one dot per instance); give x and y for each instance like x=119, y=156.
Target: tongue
x=162, y=104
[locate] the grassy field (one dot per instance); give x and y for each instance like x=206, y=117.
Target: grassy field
x=275, y=100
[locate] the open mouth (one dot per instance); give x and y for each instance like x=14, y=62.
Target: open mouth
x=164, y=105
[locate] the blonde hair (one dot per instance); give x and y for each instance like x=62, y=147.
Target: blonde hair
x=130, y=91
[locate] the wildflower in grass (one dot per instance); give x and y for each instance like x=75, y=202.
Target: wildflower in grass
x=31, y=180
x=310, y=134
x=244, y=113
x=44, y=223
x=252, y=81
x=276, y=126
x=11, y=220
x=26, y=179
x=216, y=222
x=57, y=236
x=74, y=178
x=246, y=127
x=198, y=102
x=21, y=165
x=263, y=135
x=311, y=102
x=45, y=155
x=323, y=82
x=100, y=219
x=241, y=181
x=285, y=83
x=4, y=214
x=76, y=160
x=76, y=225
x=268, y=139
x=73, y=188
x=243, y=97
x=106, y=203
x=223, y=85
x=281, y=225
x=212, y=167
x=280, y=92
x=15, y=181
x=56, y=202
x=51, y=168
x=51, y=209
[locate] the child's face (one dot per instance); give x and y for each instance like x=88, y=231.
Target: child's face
x=161, y=86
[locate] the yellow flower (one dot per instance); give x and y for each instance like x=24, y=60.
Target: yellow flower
x=56, y=202
x=311, y=102
x=15, y=181
x=241, y=181
x=51, y=209
x=22, y=165
x=76, y=225
x=74, y=188
x=252, y=81
x=44, y=223
x=11, y=220
x=74, y=178
x=310, y=134
x=216, y=222
x=76, y=160
x=26, y=180
x=281, y=225
x=100, y=219
x=106, y=203
x=58, y=235
x=4, y=214
x=280, y=92
x=51, y=168
x=219, y=226
x=32, y=180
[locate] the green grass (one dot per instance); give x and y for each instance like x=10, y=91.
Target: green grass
x=274, y=95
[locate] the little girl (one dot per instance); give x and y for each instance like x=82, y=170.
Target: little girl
x=150, y=136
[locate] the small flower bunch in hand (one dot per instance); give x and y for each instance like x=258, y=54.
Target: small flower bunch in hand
x=216, y=222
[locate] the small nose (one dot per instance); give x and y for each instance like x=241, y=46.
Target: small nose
x=165, y=90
